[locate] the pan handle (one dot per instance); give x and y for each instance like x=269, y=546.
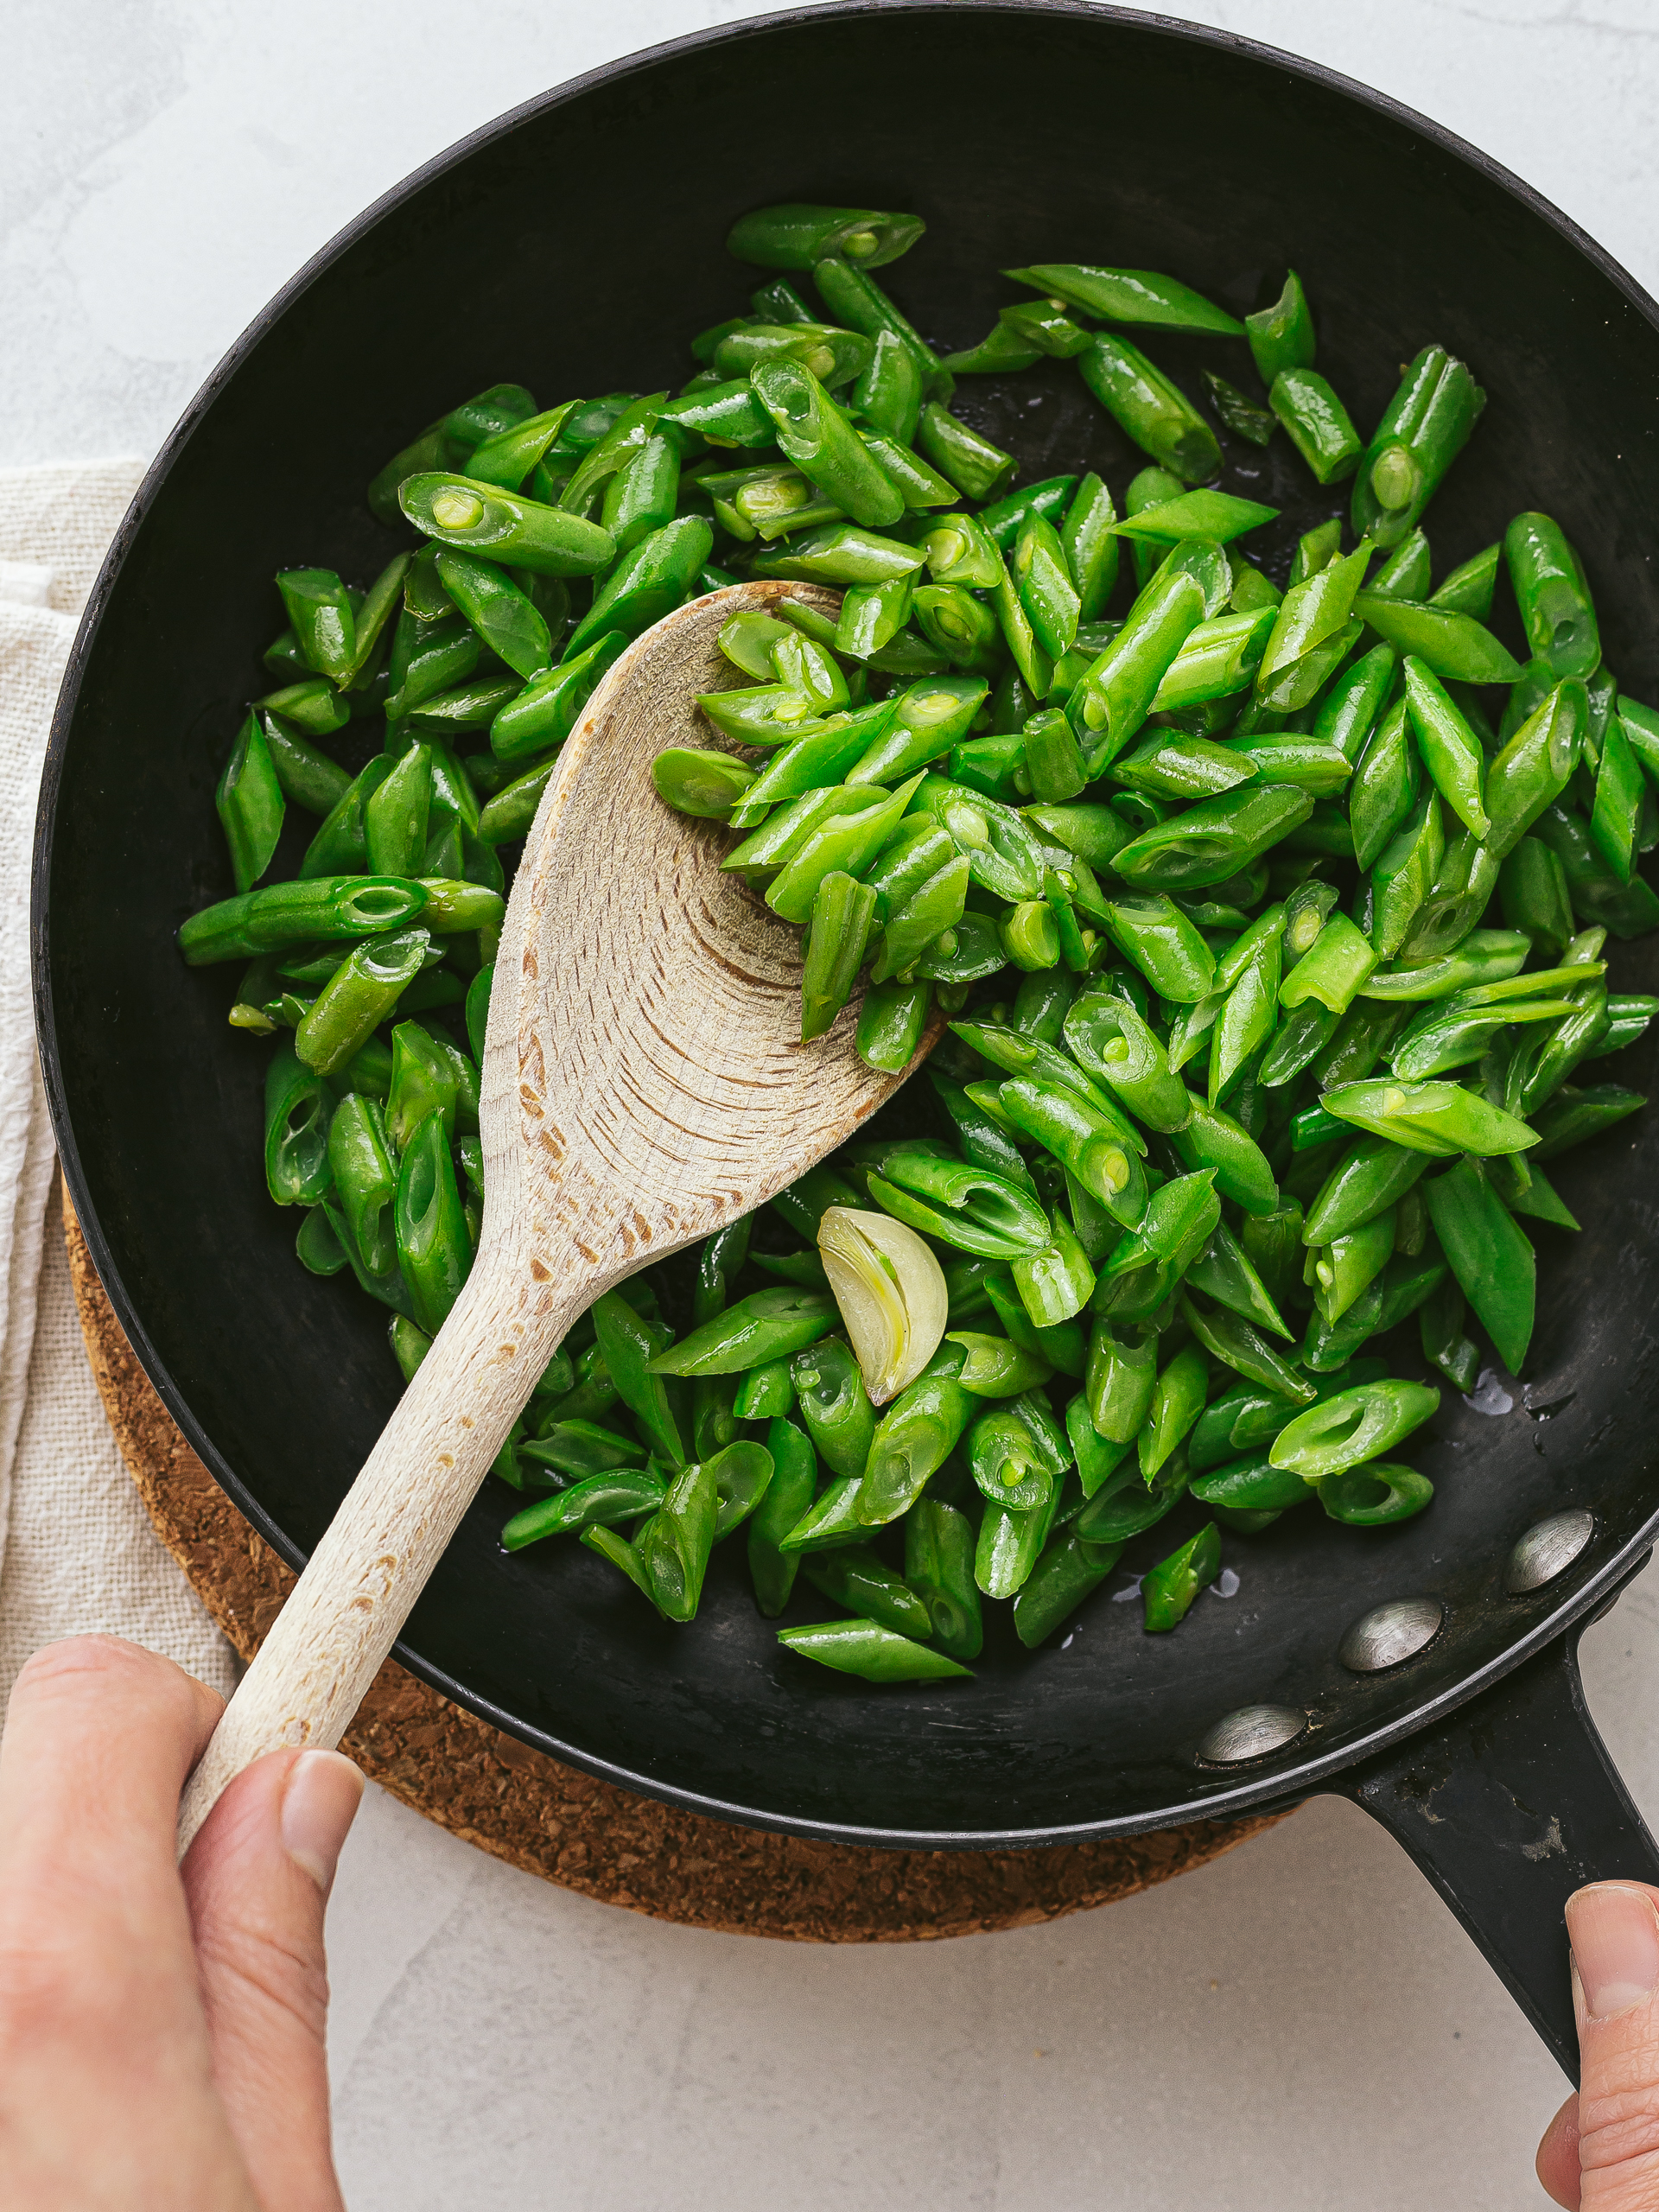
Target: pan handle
x=1509, y=1805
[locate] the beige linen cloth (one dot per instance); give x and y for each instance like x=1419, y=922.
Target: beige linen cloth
x=77, y=1551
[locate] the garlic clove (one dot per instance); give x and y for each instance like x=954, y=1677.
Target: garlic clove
x=891, y=1291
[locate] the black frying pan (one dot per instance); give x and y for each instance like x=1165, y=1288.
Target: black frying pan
x=575, y=246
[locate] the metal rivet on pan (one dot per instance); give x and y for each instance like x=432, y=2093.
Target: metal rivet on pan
x=1251, y=1733
x=1548, y=1549
x=1390, y=1633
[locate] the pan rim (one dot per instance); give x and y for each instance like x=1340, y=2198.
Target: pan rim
x=1267, y=1781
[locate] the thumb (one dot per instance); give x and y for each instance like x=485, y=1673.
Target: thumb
x=1614, y=1927
x=258, y=1879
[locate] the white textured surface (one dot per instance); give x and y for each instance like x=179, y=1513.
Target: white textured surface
x=81, y=1557
x=1300, y=2026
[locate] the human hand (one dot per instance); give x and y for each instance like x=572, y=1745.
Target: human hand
x=1601, y=2151
x=161, y=2027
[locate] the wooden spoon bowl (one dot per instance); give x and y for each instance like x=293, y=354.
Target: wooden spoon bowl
x=644, y=1082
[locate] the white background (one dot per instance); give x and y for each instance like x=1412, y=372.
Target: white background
x=1300, y=2026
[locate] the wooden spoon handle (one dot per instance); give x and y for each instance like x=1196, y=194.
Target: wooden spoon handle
x=359, y=1585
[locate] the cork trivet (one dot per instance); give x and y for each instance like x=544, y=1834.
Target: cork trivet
x=565, y=1825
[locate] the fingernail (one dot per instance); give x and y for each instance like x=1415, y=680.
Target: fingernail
x=1615, y=1939
x=319, y=1805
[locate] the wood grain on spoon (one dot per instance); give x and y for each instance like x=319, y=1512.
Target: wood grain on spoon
x=644, y=1082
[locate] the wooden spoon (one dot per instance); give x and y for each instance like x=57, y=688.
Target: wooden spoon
x=644, y=1082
